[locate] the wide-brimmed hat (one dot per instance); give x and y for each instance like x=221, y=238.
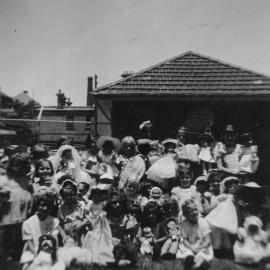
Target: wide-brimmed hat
x=144, y=142
x=225, y=181
x=170, y=142
x=244, y=137
x=201, y=180
x=102, y=139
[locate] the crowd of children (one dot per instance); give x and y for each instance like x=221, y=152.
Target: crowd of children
x=135, y=203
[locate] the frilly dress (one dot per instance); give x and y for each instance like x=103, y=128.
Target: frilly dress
x=164, y=168
x=188, y=152
x=99, y=240
x=249, y=161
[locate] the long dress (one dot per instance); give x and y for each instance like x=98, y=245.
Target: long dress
x=99, y=240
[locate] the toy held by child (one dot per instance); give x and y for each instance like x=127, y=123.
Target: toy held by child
x=251, y=246
x=98, y=240
x=147, y=241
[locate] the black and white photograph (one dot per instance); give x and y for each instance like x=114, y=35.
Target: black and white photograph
x=134, y=134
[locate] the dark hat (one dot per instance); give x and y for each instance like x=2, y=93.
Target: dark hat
x=169, y=143
x=102, y=139
x=245, y=137
x=229, y=128
x=144, y=142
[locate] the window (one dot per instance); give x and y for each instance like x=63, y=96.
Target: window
x=70, y=125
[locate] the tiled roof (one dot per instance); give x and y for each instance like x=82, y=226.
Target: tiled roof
x=190, y=74
x=24, y=98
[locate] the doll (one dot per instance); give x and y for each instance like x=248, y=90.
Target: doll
x=98, y=239
x=249, y=160
x=147, y=241
x=205, y=155
x=127, y=248
x=116, y=208
x=251, y=246
x=156, y=195
x=151, y=217
x=47, y=256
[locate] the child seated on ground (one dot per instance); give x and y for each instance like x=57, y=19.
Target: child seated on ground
x=42, y=222
x=251, y=246
x=196, y=247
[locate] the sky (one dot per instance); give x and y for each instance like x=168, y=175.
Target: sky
x=56, y=44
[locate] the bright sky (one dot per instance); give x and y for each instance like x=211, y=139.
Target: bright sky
x=52, y=44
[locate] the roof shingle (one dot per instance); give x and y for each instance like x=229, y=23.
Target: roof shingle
x=190, y=74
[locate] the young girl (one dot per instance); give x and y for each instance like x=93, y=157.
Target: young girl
x=42, y=222
x=98, y=240
x=71, y=213
x=184, y=190
x=196, y=244
x=43, y=174
x=107, y=155
x=131, y=163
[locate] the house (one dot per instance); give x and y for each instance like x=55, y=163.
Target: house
x=24, y=98
x=64, y=119
x=190, y=89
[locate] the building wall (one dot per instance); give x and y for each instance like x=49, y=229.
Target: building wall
x=103, y=111
x=50, y=132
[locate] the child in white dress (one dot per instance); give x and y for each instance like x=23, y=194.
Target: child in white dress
x=42, y=222
x=196, y=242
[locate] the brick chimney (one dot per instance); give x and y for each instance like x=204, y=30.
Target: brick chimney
x=90, y=98
x=61, y=99
x=126, y=74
